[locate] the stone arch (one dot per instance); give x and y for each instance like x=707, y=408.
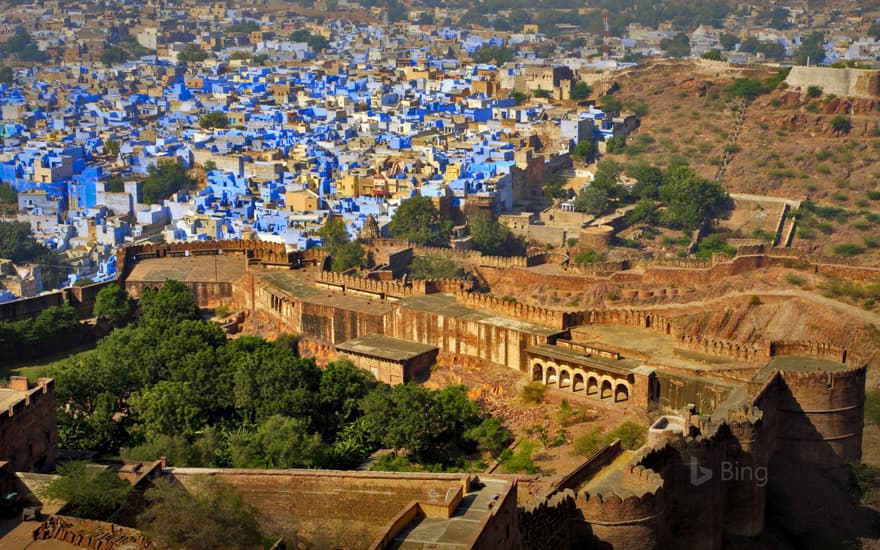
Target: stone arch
x=647, y=321
x=537, y=372
x=552, y=378
x=668, y=328
x=621, y=392
x=607, y=389
x=564, y=378
x=577, y=383
x=592, y=385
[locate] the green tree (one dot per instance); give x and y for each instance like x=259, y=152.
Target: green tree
x=417, y=220
x=113, y=305
x=648, y=179
x=713, y=55
x=615, y=145
x=214, y=119
x=317, y=43
x=610, y=104
x=112, y=147
x=90, y=491
x=7, y=75
x=542, y=93
x=163, y=180
x=518, y=97
x=113, y=55
x=592, y=200
x=606, y=177
x=491, y=437
x=167, y=409
x=491, y=237
x=580, y=89
x=209, y=514
x=8, y=196
x=728, y=41
x=499, y=55
x=585, y=151
x=168, y=306
x=340, y=391
x=554, y=188
x=344, y=253
x=279, y=442
x=840, y=124
x=434, y=267
x=677, y=46
x=116, y=184
x=645, y=212
x=192, y=53
x=811, y=50
x=689, y=198
x=589, y=256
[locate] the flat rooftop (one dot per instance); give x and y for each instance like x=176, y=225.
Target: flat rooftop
x=8, y=397
x=456, y=532
x=622, y=366
x=392, y=349
x=445, y=304
x=297, y=286
x=189, y=269
x=797, y=363
x=653, y=348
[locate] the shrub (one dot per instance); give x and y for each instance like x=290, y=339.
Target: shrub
x=519, y=461
x=588, y=444
x=848, y=250
x=533, y=392
x=814, y=91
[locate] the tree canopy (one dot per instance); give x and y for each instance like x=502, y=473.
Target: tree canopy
x=689, y=199
x=344, y=253
x=209, y=515
x=214, y=119
x=491, y=237
x=192, y=53
x=163, y=180
x=90, y=491
x=171, y=384
x=417, y=220
x=17, y=243
x=113, y=305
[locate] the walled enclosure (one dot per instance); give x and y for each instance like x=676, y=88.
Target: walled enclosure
x=28, y=427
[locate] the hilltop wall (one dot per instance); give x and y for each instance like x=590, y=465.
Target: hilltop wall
x=842, y=82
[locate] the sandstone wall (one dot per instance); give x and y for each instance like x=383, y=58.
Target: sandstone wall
x=842, y=82
x=328, y=508
x=28, y=428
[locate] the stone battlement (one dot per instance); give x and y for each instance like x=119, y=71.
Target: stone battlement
x=532, y=314
x=397, y=289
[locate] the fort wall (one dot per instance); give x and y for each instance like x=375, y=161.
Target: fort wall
x=309, y=506
x=862, y=83
x=28, y=427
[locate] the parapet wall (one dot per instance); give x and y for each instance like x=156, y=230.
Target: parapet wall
x=532, y=314
x=471, y=256
x=267, y=253
x=311, y=506
x=843, y=82
x=396, y=289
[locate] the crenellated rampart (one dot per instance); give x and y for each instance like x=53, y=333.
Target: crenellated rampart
x=383, y=289
x=532, y=314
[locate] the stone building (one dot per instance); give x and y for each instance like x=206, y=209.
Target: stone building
x=28, y=429
x=390, y=360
